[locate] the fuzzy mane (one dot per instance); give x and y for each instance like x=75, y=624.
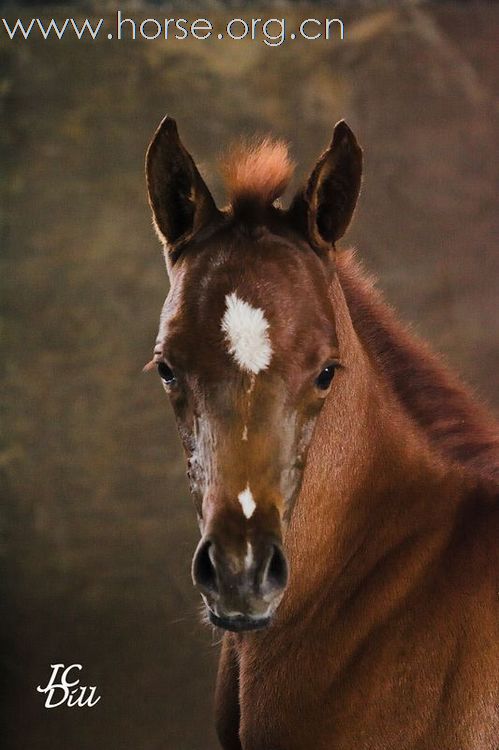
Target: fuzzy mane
x=455, y=423
x=257, y=171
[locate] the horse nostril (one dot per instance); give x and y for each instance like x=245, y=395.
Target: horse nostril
x=203, y=570
x=277, y=569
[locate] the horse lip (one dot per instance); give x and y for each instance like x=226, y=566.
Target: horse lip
x=240, y=623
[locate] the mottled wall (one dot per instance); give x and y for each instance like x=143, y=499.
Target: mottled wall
x=97, y=526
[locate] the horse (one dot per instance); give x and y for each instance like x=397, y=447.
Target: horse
x=345, y=481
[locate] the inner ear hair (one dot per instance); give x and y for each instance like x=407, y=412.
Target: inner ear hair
x=180, y=201
x=324, y=208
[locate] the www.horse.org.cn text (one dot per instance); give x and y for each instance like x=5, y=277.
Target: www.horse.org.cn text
x=273, y=32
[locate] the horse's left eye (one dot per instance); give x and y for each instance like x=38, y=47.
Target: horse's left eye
x=323, y=381
x=166, y=373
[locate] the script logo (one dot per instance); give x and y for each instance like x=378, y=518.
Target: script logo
x=65, y=692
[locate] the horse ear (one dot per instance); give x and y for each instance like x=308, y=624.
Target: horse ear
x=324, y=208
x=180, y=201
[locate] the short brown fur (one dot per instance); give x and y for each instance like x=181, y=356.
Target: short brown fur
x=390, y=639
x=386, y=635
x=453, y=420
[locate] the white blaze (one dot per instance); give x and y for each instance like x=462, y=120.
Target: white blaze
x=248, y=558
x=246, y=330
x=247, y=502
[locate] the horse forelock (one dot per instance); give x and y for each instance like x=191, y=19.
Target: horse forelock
x=257, y=171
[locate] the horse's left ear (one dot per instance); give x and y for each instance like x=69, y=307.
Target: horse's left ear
x=324, y=208
x=180, y=200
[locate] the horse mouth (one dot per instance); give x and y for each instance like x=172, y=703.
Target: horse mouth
x=239, y=623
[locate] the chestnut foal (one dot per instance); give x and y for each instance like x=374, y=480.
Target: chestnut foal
x=345, y=482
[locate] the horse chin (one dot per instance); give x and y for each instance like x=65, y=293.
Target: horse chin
x=239, y=623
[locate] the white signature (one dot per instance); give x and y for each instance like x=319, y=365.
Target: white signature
x=72, y=694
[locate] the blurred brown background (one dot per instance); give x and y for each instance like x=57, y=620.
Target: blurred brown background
x=97, y=526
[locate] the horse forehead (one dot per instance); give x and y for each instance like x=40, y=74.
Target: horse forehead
x=251, y=305
x=261, y=318
x=277, y=284
x=229, y=322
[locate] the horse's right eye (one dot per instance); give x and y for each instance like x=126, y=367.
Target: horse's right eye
x=166, y=373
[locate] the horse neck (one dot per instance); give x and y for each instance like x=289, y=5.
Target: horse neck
x=371, y=482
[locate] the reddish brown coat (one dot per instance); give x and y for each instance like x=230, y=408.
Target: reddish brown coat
x=387, y=634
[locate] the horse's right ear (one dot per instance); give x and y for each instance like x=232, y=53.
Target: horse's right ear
x=180, y=201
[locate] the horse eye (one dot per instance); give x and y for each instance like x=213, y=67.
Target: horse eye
x=166, y=373
x=323, y=381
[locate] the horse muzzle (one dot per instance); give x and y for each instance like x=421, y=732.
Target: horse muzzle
x=241, y=589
